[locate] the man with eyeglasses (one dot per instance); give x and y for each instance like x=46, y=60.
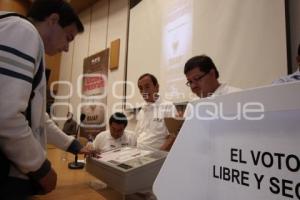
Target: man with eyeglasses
x=25, y=128
x=202, y=78
x=291, y=77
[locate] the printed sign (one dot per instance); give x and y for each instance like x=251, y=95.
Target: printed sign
x=94, y=90
x=246, y=149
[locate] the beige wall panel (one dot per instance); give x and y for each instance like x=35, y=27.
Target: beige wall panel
x=19, y=6
x=117, y=28
x=80, y=52
x=64, y=75
x=53, y=63
x=98, y=32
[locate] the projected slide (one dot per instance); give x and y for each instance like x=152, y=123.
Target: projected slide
x=245, y=38
x=176, y=48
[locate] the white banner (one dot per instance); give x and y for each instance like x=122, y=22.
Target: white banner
x=246, y=147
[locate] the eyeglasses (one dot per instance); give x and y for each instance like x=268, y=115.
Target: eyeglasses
x=189, y=83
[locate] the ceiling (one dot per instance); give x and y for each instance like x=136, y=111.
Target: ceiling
x=134, y=3
x=80, y=5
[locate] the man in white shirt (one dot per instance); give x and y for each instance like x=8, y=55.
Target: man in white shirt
x=116, y=136
x=151, y=131
x=292, y=77
x=202, y=78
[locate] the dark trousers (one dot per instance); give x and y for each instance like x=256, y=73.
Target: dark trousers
x=17, y=189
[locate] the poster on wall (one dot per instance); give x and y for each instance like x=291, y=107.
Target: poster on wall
x=94, y=94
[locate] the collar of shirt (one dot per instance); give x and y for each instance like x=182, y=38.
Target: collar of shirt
x=149, y=106
x=219, y=90
x=116, y=140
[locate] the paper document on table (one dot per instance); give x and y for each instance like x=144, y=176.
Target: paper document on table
x=123, y=154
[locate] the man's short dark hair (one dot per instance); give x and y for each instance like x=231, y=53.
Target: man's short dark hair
x=41, y=9
x=203, y=62
x=153, y=78
x=118, y=118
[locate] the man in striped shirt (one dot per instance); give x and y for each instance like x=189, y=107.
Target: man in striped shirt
x=25, y=128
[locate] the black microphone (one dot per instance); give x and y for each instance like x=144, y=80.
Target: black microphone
x=76, y=164
x=82, y=118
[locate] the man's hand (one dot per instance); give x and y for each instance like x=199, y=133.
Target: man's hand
x=170, y=139
x=48, y=182
x=88, y=151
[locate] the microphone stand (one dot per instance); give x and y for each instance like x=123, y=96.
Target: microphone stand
x=76, y=164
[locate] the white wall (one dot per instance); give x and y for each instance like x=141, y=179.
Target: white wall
x=65, y=75
x=246, y=39
x=104, y=22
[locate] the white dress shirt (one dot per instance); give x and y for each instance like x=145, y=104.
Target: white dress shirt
x=151, y=131
x=105, y=142
x=289, y=78
x=221, y=90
